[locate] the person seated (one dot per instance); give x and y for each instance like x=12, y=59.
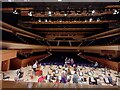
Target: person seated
x=92, y=80
x=53, y=70
x=90, y=73
x=35, y=66
x=80, y=79
x=68, y=78
x=48, y=77
x=53, y=77
x=38, y=72
x=57, y=81
x=63, y=71
x=80, y=73
x=69, y=72
x=96, y=65
x=41, y=78
x=106, y=80
x=84, y=81
x=110, y=78
x=66, y=68
x=56, y=71
x=5, y=76
x=75, y=78
x=59, y=77
x=20, y=73
x=63, y=79
x=68, y=61
x=59, y=67
x=66, y=65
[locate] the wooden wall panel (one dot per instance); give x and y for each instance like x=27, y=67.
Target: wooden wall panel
x=18, y=63
x=30, y=60
x=106, y=63
x=15, y=63
x=5, y=65
x=119, y=67
x=8, y=54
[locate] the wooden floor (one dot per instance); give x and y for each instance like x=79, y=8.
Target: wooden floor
x=28, y=83
x=12, y=84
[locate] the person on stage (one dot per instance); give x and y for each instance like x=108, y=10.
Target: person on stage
x=72, y=61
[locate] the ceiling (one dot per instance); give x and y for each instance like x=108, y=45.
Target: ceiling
x=60, y=23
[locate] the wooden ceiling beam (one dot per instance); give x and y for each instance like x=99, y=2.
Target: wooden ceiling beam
x=67, y=29
x=11, y=9
x=18, y=30
x=73, y=14
x=18, y=46
x=71, y=22
x=1, y=28
x=113, y=6
x=105, y=34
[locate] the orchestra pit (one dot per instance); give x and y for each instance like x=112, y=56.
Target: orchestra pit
x=60, y=45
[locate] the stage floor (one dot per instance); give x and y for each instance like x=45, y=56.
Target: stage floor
x=26, y=81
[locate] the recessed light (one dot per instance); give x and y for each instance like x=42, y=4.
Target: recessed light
x=59, y=0
x=45, y=20
x=93, y=11
x=9, y=0
x=65, y=14
x=39, y=20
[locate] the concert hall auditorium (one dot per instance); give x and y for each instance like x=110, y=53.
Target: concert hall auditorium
x=60, y=44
